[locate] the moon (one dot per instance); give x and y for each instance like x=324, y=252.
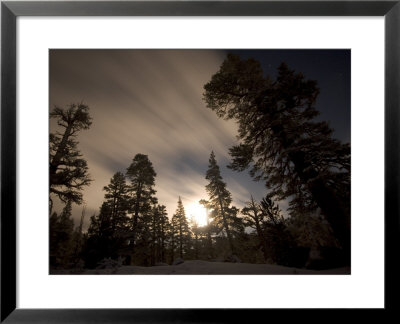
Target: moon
x=198, y=212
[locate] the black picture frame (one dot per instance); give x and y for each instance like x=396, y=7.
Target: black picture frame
x=10, y=10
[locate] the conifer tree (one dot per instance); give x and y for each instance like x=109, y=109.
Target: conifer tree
x=105, y=221
x=281, y=141
x=142, y=181
x=109, y=230
x=101, y=242
x=162, y=232
x=181, y=229
x=68, y=172
x=220, y=198
x=153, y=228
x=117, y=197
x=172, y=241
x=157, y=226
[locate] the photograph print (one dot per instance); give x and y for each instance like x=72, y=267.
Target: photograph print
x=220, y=162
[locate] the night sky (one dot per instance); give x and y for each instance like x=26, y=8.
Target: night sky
x=150, y=102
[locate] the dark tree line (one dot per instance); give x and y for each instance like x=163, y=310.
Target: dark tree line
x=281, y=144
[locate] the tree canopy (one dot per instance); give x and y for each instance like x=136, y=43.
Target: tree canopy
x=281, y=141
x=68, y=171
x=219, y=199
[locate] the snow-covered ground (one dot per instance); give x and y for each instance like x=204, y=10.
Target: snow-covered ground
x=205, y=267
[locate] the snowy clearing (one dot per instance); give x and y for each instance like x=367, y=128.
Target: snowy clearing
x=197, y=267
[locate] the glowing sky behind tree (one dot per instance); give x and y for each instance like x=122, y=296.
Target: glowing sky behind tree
x=150, y=102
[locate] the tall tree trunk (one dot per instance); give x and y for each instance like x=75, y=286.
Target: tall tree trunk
x=261, y=237
x=55, y=162
x=210, y=247
x=180, y=241
x=196, y=247
x=113, y=214
x=228, y=233
x=136, y=217
x=325, y=198
x=153, y=243
x=162, y=248
x=172, y=248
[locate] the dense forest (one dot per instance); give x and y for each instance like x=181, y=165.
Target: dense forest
x=281, y=143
